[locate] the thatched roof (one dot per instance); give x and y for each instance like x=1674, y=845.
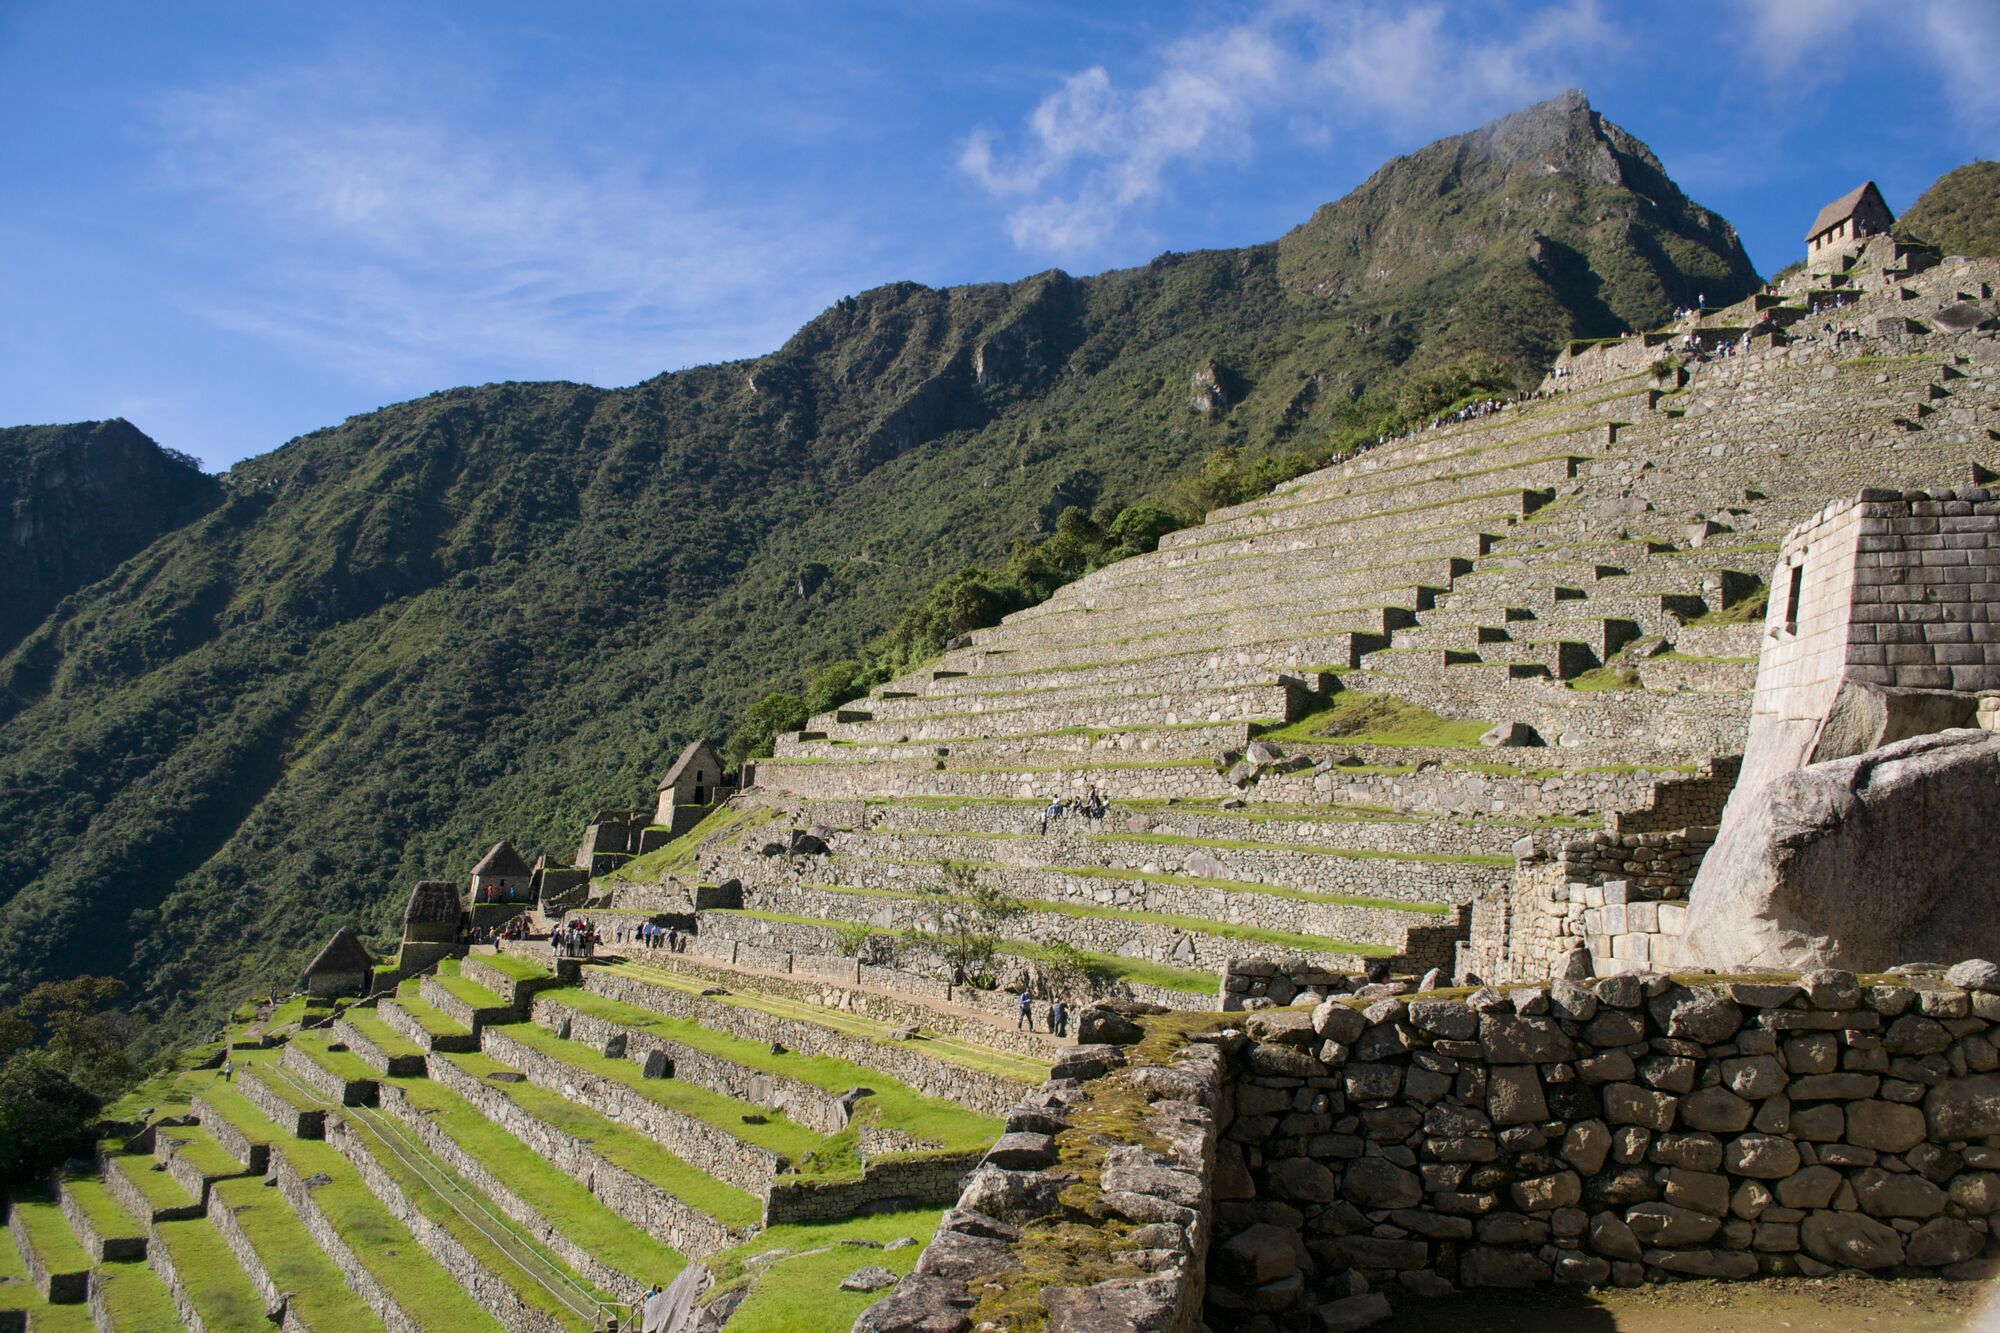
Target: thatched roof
x=502, y=859
x=695, y=750
x=343, y=955
x=1845, y=207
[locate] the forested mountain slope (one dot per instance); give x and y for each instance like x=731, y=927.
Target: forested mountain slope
x=1960, y=213
x=489, y=611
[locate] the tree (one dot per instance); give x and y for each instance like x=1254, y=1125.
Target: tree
x=963, y=918
x=66, y=1051
x=770, y=715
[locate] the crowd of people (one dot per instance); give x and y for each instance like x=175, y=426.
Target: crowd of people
x=1092, y=807
x=577, y=937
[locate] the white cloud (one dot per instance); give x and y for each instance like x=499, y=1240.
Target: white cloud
x=1948, y=42
x=381, y=233
x=1092, y=152
x=1960, y=37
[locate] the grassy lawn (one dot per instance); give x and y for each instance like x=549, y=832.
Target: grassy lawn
x=951, y=1050
x=385, y=1038
x=779, y=1133
x=293, y=1258
x=198, y=1148
x=214, y=1281
x=470, y=992
x=343, y=1065
x=946, y=1123
x=107, y=1216
x=563, y=1202
x=620, y=1146
x=159, y=1189
x=135, y=1298
x=266, y=1074
x=426, y=1015
x=48, y=1231
x=801, y=1290
x=518, y=969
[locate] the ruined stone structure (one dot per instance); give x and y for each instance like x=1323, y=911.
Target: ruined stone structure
x=501, y=876
x=342, y=967
x=690, y=788
x=1841, y=227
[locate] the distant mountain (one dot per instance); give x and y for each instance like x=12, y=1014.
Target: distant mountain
x=1960, y=213
x=490, y=611
x=77, y=500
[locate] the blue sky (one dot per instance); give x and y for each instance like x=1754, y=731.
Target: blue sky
x=233, y=223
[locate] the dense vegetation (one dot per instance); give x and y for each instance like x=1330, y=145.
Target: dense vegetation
x=1960, y=213
x=491, y=611
x=64, y=1053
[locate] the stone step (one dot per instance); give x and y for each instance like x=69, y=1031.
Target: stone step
x=193, y=1157
x=1303, y=648
x=1672, y=673
x=281, y=1259
x=1227, y=694
x=1252, y=614
x=1652, y=613
x=1581, y=437
x=106, y=1230
x=423, y=1023
x=128, y=1294
x=56, y=1264
x=1602, y=637
x=209, y=1289
x=910, y=743
x=143, y=1188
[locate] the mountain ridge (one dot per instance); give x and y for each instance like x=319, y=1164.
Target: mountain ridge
x=492, y=610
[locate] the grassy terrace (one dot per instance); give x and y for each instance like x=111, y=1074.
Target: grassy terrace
x=293, y=1259
x=895, y=1104
x=515, y=968
x=107, y=1218
x=215, y=1283
x=582, y=1216
x=780, y=1134
x=157, y=1187
x=134, y=1297
x=1117, y=967
x=416, y=1173
x=344, y=1065
x=1354, y=718
x=1237, y=844
x=1285, y=939
x=951, y=1050
x=471, y=992
x=1239, y=885
x=426, y=1015
x=620, y=1146
x=48, y=1231
x=795, y=1277
x=678, y=856
x=385, y=1038
x=197, y=1147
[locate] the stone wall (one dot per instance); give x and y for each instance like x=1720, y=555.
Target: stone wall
x=68, y=1287
x=637, y=1201
x=292, y=1186
x=223, y=1218
x=1637, y=1129
x=909, y=1181
x=101, y=1249
x=296, y=1122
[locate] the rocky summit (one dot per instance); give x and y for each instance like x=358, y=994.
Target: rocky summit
x=1528, y=844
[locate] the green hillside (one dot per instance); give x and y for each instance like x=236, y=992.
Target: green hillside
x=1960, y=213
x=489, y=611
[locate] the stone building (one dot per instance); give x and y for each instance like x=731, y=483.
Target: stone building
x=691, y=788
x=1843, y=225
x=501, y=876
x=343, y=967
x=615, y=836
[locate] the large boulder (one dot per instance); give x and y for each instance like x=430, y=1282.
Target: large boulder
x=1857, y=863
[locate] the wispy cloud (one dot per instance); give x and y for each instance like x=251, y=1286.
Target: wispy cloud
x=1092, y=151
x=383, y=233
x=1811, y=43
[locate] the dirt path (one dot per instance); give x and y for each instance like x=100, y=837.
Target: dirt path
x=1911, y=1305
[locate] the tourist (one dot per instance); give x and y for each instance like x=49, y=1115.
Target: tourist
x=1027, y=1018
x=228, y=1067
x=1058, y=1017
x=673, y=939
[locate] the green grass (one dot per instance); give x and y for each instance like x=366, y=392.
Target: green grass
x=293, y=1259
x=1598, y=680
x=157, y=1187
x=1192, y=925
x=135, y=1298
x=107, y=1216
x=1749, y=611
x=894, y=1104
x=678, y=856
x=1317, y=849
x=620, y=1146
x=426, y=1015
x=343, y=1065
x=48, y=1231
x=471, y=992
x=560, y=1200
x=801, y=1289
x=512, y=967
x=208, y=1271
x=950, y=1050
x=780, y=1134
x=266, y=1074
x=383, y=1037
x=198, y=1148
x=1354, y=718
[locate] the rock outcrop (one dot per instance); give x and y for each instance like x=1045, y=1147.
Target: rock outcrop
x=1861, y=862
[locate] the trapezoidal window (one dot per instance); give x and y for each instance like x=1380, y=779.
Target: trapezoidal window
x=1793, y=592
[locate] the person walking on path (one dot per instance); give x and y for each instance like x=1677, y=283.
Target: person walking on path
x=228, y=1068
x=1058, y=1018
x=1027, y=1018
